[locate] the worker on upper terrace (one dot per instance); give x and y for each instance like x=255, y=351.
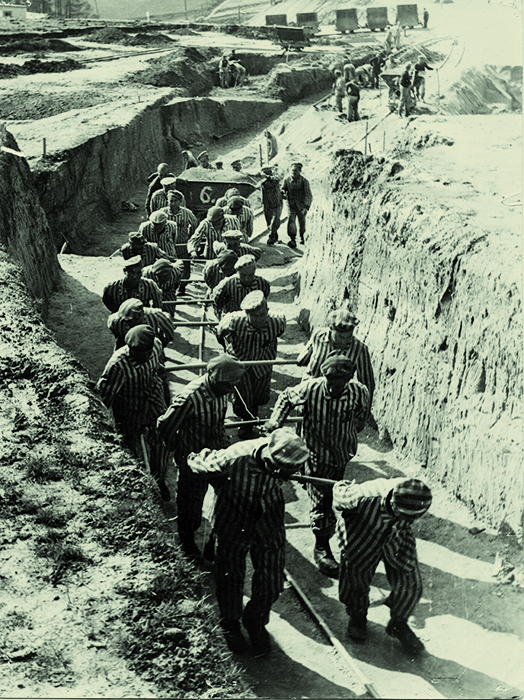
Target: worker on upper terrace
x=249, y=518
x=272, y=201
x=154, y=183
x=186, y=224
x=203, y=160
x=188, y=160
x=374, y=524
x=159, y=198
x=271, y=145
x=419, y=76
x=363, y=75
x=349, y=72
x=210, y=230
x=229, y=293
x=353, y=98
x=232, y=240
x=252, y=334
x=425, y=18
x=149, y=252
x=194, y=421
x=132, y=313
x=331, y=408
x=297, y=192
x=338, y=337
x=224, y=74
x=377, y=63
x=217, y=270
x=236, y=208
x=168, y=276
x=238, y=73
x=339, y=90
x=133, y=385
x=405, y=83
x=132, y=286
x=397, y=34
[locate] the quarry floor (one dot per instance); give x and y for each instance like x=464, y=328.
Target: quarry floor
x=471, y=616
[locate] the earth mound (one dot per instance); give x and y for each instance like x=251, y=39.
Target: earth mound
x=16, y=46
x=188, y=68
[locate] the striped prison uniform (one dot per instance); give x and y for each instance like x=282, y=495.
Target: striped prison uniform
x=206, y=234
x=194, y=420
x=245, y=220
x=368, y=531
x=272, y=203
x=165, y=240
x=136, y=392
x=158, y=320
x=116, y=292
x=245, y=249
x=321, y=344
x=299, y=198
x=159, y=201
x=150, y=253
x=229, y=293
x=169, y=289
x=248, y=517
x=213, y=273
x=186, y=224
x=245, y=342
x=330, y=433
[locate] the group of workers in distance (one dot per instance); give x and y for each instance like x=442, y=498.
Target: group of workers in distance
x=188, y=428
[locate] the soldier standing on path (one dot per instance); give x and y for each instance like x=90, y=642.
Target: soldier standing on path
x=194, y=421
x=330, y=407
x=272, y=201
x=297, y=192
x=249, y=518
x=425, y=18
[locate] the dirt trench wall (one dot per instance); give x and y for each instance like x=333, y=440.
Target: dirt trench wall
x=24, y=230
x=85, y=185
x=441, y=314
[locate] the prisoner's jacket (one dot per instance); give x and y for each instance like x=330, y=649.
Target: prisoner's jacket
x=159, y=200
x=367, y=530
x=245, y=490
x=245, y=249
x=245, y=220
x=186, y=223
x=213, y=273
x=245, y=342
x=271, y=193
x=230, y=292
x=320, y=345
x=149, y=253
x=207, y=234
x=165, y=240
x=297, y=192
x=195, y=419
x=147, y=291
x=329, y=428
x=134, y=388
x=158, y=320
x=169, y=289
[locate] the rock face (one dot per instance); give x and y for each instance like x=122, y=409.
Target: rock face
x=290, y=83
x=24, y=230
x=440, y=309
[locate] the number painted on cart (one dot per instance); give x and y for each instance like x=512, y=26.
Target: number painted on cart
x=206, y=194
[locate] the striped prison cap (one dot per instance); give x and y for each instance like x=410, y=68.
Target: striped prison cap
x=227, y=368
x=287, y=449
x=129, y=308
x=140, y=337
x=245, y=261
x=253, y=300
x=411, y=498
x=337, y=366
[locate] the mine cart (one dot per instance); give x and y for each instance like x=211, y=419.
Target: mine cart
x=202, y=187
x=292, y=37
x=346, y=21
x=377, y=18
x=280, y=20
x=407, y=16
x=309, y=21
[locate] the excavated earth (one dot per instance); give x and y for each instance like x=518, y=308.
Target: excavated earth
x=420, y=234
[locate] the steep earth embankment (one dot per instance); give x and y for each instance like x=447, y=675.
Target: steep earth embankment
x=434, y=272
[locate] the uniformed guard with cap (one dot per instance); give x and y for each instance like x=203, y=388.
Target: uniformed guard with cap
x=338, y=337
x=249, y=518
x=137, y=245
x=132, y=286
x=219, y=269
x=330, y=405
x=228, y=294
x=232, y=240
x=209, y=231
x=237, y=208
x=297, y=192
x=194, y=420
x=272, y=201
x=252, y=334
x=132, y=313
x=132, y=384
x=374, y=524
x=159, y=198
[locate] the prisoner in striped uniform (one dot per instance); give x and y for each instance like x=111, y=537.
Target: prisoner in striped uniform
x=229, y=293
x=132, y=384
x=232, y=240
x=338, y=337
x=243, y=214
x=154, y=183
x=159, y=198
x=186, y=224
x=330, y=406
x=210, y=230
x=194, y=420
x=132, y=313
x=219, y=269
x=167, y=276
x=374, y=523
x=162, y=232
x=252, y=334
x=272, y=202
x=137, y=245
x=132, y=286
x=249, y=518
x=296, y=189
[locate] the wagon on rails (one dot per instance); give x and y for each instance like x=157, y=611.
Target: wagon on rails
x=202, y=187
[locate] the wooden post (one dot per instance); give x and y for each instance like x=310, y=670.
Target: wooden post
x=44, y=148
x=366, y=139
x=202, y=337
x=260, y=153
x=384, y=141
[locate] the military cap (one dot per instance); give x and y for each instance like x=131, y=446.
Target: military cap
x=226, y=367
x=287, y=450
x=136, y=237
x=202, y=153
x=232, y=235
x=135, y=260
x=215, y=214
x=337, y=366
x=158, y=217
x=245, y=261
x=411, y=498
x=297, y=165
x=129, y=308
x=140, y=337
x=342, y=320
x=252, y=301
x=165, y=181
x=161, y=264
x=235, y=203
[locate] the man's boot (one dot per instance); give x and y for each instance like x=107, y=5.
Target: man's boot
x=235, y=640
x=401, y=630
x=258, y=634
x=323, y=555
x=189, y=546
x=357, y=628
